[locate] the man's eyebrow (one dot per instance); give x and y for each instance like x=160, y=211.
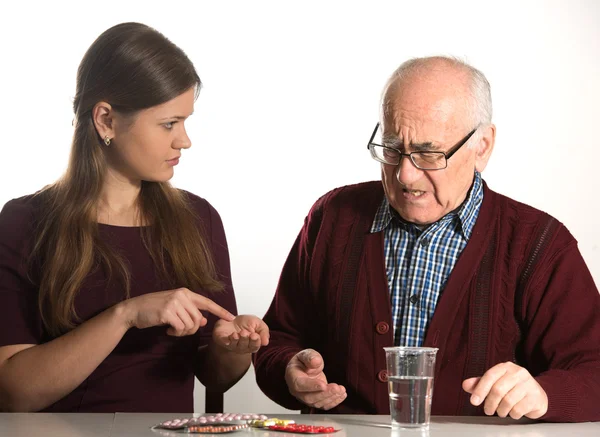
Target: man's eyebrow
x=397, y=143
x=391, y=141
x=423, y=147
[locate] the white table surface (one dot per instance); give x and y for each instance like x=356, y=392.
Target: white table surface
x=139, y=424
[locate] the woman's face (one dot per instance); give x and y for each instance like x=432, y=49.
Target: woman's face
x=148, y=147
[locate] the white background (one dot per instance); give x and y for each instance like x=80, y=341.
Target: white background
x=291, y=92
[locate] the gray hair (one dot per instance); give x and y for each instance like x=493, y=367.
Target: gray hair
x=479, y=106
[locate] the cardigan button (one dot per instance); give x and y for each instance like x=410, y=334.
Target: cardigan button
x=382, y=376
x=382, y=328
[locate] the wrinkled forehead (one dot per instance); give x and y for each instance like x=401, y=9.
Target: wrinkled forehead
x=424, y=106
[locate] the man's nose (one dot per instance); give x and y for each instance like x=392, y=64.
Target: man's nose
x=406, y=171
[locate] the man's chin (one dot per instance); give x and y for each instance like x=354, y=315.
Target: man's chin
x=419, y=217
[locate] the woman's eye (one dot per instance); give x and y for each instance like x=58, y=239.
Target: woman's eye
x=169, y=125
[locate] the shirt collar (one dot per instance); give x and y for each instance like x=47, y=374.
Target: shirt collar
x=466, y=213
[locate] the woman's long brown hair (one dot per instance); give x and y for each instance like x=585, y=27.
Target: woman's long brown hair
x=132, y=67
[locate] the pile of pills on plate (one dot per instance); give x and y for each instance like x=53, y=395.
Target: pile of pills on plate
x=209, y=420
x=265, y=423
x=303, y=429
x=215, y=428
x=274, y=424
x=226, y=423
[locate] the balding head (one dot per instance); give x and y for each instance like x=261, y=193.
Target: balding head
x=450, y=80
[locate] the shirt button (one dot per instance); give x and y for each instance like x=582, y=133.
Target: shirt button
x=414, y=299
x=382, y=328
x=424, y=242
x=382, y=376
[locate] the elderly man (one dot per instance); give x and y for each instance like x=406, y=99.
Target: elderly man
x=430, y=256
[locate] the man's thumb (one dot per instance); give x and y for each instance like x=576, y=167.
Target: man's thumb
x=311, y=359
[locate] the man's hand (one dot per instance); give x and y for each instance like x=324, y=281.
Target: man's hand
x=307, y=382
x=508, y=390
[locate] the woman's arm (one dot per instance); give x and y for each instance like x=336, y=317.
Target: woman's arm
x=33, y=377
x=226, y=357
x=218, y=369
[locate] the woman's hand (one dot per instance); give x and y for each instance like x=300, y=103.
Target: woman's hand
x=243, y=335
x=180, y=309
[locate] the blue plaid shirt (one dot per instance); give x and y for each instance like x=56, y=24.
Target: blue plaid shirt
x=419, y=262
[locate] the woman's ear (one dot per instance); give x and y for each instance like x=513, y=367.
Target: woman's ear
x=103, y=117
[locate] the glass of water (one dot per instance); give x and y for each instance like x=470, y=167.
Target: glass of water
x=410, y=381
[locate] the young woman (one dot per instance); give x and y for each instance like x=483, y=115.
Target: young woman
x=115, y=288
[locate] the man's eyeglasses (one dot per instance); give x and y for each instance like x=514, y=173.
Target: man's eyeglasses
x=428, y=160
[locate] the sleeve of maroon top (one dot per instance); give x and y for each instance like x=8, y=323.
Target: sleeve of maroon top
x=220, y=251
x=291, y=316
x=212, y=227
x=20, y=322
x=562, y=312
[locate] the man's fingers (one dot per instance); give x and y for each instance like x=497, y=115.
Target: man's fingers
x=508, y=389
x=305, y=384
x=498, y=391
x=328, y=401
x=528, y=407
x=469, y=384
x=302, y=377
x=328, y=395
x=312, y=398
x=311, y=359
x=335, y=401
x=510, y=400
x=518, y=411
x=485, y=384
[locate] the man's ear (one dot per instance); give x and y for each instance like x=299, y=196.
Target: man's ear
x=485, y=147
